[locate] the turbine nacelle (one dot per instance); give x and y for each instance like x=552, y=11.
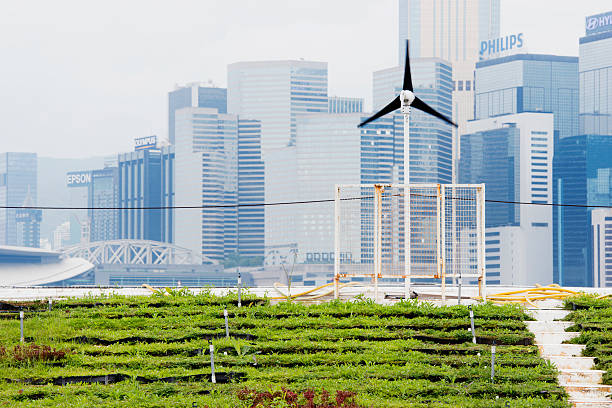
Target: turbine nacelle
x=406, y=98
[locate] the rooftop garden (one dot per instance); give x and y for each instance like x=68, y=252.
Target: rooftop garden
x=155, y=352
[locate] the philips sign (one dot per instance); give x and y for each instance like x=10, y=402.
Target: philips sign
x=149, y=142
x=599, y=23
x=78, y=179
x=497, y=46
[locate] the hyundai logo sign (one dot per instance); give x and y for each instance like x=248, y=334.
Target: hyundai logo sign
x=496, y=46
x=599, y=23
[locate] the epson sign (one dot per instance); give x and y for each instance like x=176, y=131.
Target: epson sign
x=78, y=179
x=599, y=23
x=148, y=142
x=497, y=46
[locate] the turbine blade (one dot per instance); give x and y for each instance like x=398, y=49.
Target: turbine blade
x=420, y=105
x=395, y=104
x=407, y=76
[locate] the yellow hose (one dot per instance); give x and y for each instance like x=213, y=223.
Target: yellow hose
x=531, y=295
x=302, y=296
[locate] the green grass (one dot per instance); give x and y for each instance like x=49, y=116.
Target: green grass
x=410, y=354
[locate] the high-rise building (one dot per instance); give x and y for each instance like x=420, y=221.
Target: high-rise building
x=601, y=227
x=513, y=156
x=595, y=53
x=251, y=191
x=582, y=162
x=17, y=178
x=194, y=95
x=103, y=194
x=218, y=165
x=201, y=180
x=430, y=138
x=28, y=223
x=145, y=180
x=582, y=176
x=344, y=104
x=529, y=83
x=276, y=93
x=453, y=31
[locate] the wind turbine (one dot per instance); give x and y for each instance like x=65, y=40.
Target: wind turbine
x=404, y=101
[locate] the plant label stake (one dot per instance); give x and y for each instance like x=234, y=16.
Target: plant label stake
x=21, y=323
x=472, y=324
x=493, y=361
x=226, y=322
x=239, y=289
x=212, y=362
x=50, y=301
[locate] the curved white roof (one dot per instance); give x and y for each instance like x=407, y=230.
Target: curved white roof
x=52, y=269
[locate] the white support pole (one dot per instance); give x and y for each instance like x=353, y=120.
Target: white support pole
x=337, y=243
x=407, y=220
x=441, y=242
x=377, y=237
x=482, y=242
x=454, y=243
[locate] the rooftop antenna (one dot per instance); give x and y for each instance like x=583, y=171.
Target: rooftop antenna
x=404, y=101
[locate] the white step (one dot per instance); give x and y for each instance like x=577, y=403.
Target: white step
x=548, y=314
x=569, y=377
x=547, y=326
x=554, y=337
x=586, y=392
x=572, y=363
x=599, y=403
x=556, y=349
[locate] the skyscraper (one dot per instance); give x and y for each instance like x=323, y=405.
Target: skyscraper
x=17, y=177
x=529, y=83
x=218, y=165
x=513, y=156
x=276, y=93
x=195, y=95
x=582, y=176
x=145, y=180
x=202, y=179
x=582, y=162
x=595, y=52
x=430, y=138
x=251, y=191
x=28, y=223
x=103, y=193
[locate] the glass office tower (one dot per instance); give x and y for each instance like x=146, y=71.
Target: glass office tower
x=595, y=52
x=529, y=83
x=582, y=176
x=145, y=180
x=17, y=178
x=103, y=194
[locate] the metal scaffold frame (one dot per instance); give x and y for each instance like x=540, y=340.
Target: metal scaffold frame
x=444, y=238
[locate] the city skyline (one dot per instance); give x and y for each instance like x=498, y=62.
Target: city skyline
x=102, y=80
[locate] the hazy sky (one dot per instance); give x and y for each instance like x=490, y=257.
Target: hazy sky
x=82, y=78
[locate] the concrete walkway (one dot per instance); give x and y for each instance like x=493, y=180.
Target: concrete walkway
x=576, y=373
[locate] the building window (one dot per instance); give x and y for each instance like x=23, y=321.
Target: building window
x=460, y=86
x=539, y=224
